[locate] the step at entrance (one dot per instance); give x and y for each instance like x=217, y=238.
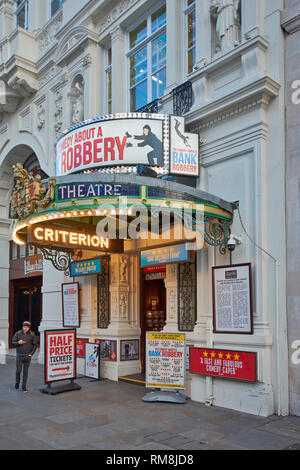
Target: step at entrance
x=136, y=379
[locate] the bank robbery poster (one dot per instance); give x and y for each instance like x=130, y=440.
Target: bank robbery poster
x=60, y=355
x=184, y=149
x=165, y=360
x=111, y=143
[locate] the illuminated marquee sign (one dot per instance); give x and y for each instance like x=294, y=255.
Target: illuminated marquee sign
x=69, y=191
x=119, y=141
x=62, y=237
x=112, y=143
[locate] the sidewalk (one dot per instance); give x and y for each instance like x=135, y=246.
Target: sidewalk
x=112, y=416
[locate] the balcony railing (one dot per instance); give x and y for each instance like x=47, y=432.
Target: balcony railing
x=182, y=98
x=149, y=108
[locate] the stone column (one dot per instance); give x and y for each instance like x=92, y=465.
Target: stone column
x=119, y=291
x=253, y=18
x=4, y=284
x=203, y=33
x=174, y=44
x=7, y=17
x=171, y=283
x=118, y=67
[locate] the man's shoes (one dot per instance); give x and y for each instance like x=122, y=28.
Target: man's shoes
x=17, y=386
x=25, y=390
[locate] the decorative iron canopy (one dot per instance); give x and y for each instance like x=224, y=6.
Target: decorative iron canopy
x=80, y=201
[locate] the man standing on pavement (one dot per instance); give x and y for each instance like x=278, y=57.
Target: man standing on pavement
x=26, y=343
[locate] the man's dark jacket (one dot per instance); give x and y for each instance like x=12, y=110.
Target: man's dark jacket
x=29, y=347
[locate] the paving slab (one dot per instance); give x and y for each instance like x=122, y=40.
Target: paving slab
x=112, y=416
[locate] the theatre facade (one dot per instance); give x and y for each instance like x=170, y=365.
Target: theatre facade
x=140, y=184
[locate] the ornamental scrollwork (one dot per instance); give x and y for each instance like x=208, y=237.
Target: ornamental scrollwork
x=59, y=259
x=29, y=194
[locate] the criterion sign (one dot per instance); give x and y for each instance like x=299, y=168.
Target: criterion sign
x=165, y=360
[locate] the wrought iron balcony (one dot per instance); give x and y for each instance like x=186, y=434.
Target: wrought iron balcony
x=182, y=98
x=149, y=108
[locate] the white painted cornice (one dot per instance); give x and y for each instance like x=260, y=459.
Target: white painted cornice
x=257, y=93
x=290, y=18
x=72, y=41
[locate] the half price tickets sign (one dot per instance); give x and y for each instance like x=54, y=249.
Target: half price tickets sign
x=60, y=355
x=223, y=363
x=165, y=360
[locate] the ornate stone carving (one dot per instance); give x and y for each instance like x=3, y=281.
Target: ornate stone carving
x=48, y=34
x=87, y=60
x=187, y=296
x=226, y=17
x=171, y=304
x=77, y=100
x=41, y=113
x=107, y=20
x=123, y=306
x=124, y=268
x=58, y=114
x=103, y=295
x=28, y=192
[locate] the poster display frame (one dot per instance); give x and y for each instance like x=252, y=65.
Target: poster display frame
x=167, y=387
x=123, y=357
x=98, y=360
x=61, y=330
x=234, y=379
x=250, y=322
x=63, y=304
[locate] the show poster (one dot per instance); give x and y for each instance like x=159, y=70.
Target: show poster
x=111, y=143
x=184, y=149
x=232, y=299
x=165, y=360
x=239, y=365
x=92, y=361
x=80, y=346
x=86, y=267
x=108, y=349
x=70, y=304
x=167, y=254
x=60, y=355
x=130, y=350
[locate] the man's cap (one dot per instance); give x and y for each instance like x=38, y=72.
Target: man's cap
x=27, y=323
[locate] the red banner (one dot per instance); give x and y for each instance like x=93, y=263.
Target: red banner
x=223, y=363
x=155, y=269
x=80, y=347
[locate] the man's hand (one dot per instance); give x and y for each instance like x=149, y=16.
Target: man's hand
x=21, y=341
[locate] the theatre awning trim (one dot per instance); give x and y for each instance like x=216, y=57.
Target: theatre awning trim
x=100, y=195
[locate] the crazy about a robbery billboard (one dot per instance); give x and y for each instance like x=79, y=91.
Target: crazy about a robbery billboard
x=111, y=143
x=60, y=355
x=114, y=141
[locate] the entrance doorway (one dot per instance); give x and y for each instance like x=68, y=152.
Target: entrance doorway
x=26, y=304
x=153, y=307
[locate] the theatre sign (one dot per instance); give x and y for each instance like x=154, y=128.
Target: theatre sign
x=126, y=140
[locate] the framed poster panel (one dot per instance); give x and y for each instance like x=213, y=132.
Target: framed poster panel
x=60, y=355
x=108, y=349
x=92, y=361
x=70, y=304
x=232, y=299
x=80, y=346
x=165, y=360
x=130, y=350
x=236, y=365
